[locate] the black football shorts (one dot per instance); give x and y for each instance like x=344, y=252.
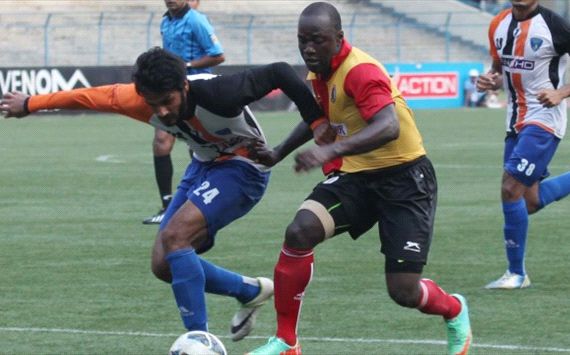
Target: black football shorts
x=401, y=199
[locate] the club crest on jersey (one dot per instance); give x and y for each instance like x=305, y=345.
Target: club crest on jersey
x=499, y=43
x=535, y=43
x=333, y=94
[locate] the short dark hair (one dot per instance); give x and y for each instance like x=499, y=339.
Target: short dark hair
x=158, y=71
x=324, y=8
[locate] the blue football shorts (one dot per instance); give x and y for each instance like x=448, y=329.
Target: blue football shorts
x=223, y=191
x=527, y=154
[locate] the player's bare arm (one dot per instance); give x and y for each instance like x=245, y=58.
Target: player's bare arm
x=13, y=104
x=261, y=153
x=206, y=61
x=383, y=127
x=553, y=97
x=323, y=132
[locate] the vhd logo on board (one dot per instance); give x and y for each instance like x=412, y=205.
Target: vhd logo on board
x=428, y=85
x=40, y=81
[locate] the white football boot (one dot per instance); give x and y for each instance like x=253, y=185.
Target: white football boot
x=244, y=319
x=509, y=281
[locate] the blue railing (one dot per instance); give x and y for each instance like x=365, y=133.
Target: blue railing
x=117, y=38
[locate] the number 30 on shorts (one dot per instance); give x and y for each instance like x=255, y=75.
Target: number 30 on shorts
x=207, y=194
x=525, y=167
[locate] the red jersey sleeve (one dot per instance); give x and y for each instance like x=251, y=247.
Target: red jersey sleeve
x=370, y=88
x=119, y=98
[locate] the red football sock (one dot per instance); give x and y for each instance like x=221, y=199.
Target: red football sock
x=292, y=275
x=434, y=300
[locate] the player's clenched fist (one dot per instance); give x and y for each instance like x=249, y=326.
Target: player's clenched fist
x=489, y=81
x=13, y=104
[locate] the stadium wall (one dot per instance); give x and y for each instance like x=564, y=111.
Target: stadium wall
x=424, y=85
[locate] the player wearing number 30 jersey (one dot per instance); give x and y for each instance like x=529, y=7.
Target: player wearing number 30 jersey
x=220, y=185
x=529, y=46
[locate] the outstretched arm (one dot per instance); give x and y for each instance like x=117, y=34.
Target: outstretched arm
x=206, y=61
x=282, y=76
x=14, y=104
x=261, y=153
x=228, y=92
x=118, y=98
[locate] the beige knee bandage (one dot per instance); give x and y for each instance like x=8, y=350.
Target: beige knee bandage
x=322, y=214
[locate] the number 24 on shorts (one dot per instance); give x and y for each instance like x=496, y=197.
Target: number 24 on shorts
x=207, y=194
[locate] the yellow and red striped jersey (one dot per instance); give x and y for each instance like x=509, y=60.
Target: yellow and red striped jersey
x=358, y=88
x=533, y=57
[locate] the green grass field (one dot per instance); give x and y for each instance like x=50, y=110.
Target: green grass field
x=74, y=256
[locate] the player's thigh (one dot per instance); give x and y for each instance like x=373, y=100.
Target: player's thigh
x=530, y=154
x=192, y=176
x=185, y=225
x=341, y=204
x=406, y=205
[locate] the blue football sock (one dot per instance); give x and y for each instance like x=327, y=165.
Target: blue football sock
x=554, y=189
x=188, y=284
x=515, y=232
x=224, y=282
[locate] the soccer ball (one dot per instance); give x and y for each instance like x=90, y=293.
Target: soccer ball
x=197, y=342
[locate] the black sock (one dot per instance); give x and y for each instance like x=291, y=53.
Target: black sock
x=163, y=171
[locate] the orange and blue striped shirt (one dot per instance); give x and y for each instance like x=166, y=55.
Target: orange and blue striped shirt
x=533, y=57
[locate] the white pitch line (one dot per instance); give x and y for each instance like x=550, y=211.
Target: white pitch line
x=108, y=159
x=325, y=339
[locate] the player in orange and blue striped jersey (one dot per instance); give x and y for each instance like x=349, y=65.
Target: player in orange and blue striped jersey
x=220, y=185
x=529, y=45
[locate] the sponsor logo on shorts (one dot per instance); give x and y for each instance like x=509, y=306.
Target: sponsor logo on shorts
x=331, y=180
x=412, y=246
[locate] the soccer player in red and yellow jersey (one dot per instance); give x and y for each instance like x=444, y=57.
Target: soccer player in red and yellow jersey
x=529, y=46
x=377, y=171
